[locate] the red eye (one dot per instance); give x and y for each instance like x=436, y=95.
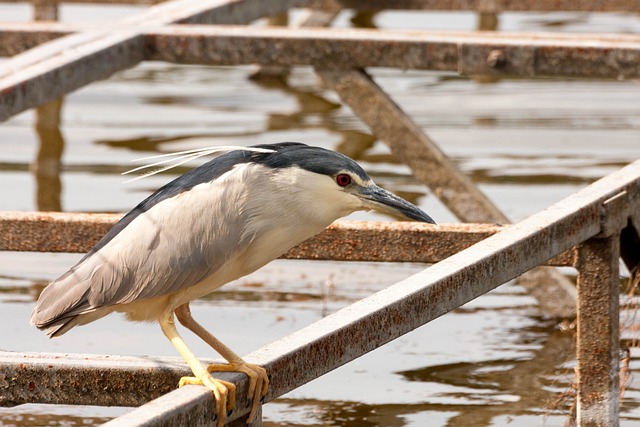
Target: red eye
x=343, y=180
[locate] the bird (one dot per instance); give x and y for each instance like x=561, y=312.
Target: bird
x=216, y=223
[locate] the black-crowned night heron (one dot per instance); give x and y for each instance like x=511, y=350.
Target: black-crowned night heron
x=214, y=224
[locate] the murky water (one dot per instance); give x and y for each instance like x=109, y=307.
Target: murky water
x=528, y=144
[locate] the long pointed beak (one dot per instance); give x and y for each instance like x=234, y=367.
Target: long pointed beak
x=381, y=200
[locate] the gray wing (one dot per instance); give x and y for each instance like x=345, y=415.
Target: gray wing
x=169, y=247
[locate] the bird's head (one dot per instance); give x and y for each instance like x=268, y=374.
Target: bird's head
x=332, y=183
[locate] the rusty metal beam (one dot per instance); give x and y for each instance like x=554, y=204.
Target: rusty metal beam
x=498, y=5
x=82, y=379
x=45, y=10
x=468, y=53
x=598, y=393
x=86, y=379
x=63, y=65
x=490, y=53
x=342, y=241
x=16, y=38
x=394, y=311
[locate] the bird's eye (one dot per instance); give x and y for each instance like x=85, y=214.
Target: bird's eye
x=343, y=180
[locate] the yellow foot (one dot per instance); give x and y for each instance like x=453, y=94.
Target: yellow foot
x=223, y=391
x=258, y=381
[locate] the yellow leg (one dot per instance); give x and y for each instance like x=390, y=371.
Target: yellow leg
x=258, y=379
x=223, y=391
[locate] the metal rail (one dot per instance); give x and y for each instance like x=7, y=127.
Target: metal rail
x=342, y=241
x=496, y=53
x=591, y=219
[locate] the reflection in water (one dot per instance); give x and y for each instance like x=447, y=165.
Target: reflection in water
x=47, y=165
x=313, y=112
x=519, y=386
x=352, y=142
x=495, y=388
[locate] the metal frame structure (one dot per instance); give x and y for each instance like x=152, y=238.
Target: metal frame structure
x=589, y=230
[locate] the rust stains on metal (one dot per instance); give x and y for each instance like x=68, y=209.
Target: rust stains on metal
x=52, y=231
x=85, y=380
x=568, y=55
x=602, y=56
x=598, y=395
x=342, y=241
x=391, y=241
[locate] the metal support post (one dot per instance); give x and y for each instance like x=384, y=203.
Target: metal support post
x=45, y=10
x=598, y=395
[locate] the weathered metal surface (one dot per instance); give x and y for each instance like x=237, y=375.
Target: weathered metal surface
x=598, y=394
x=342, y=241
x=521, y=54
x=324, y=13
x=386, y=241
x=189, y=406
x=85, y=379
x=45, y=10
x=193, y=406
x=498, y=5
x=53, y=232
x=53, y=69
x=19, y=37
x=527, y=55
x=82, y=379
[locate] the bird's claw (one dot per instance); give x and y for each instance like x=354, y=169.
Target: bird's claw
x=258, y=382
x=223, y=391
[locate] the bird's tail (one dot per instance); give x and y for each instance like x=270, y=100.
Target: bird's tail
x=60, y=304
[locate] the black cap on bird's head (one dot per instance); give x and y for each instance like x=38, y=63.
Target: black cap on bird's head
x=345, y=172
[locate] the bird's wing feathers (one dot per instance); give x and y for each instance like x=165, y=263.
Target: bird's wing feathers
x=165, y=248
